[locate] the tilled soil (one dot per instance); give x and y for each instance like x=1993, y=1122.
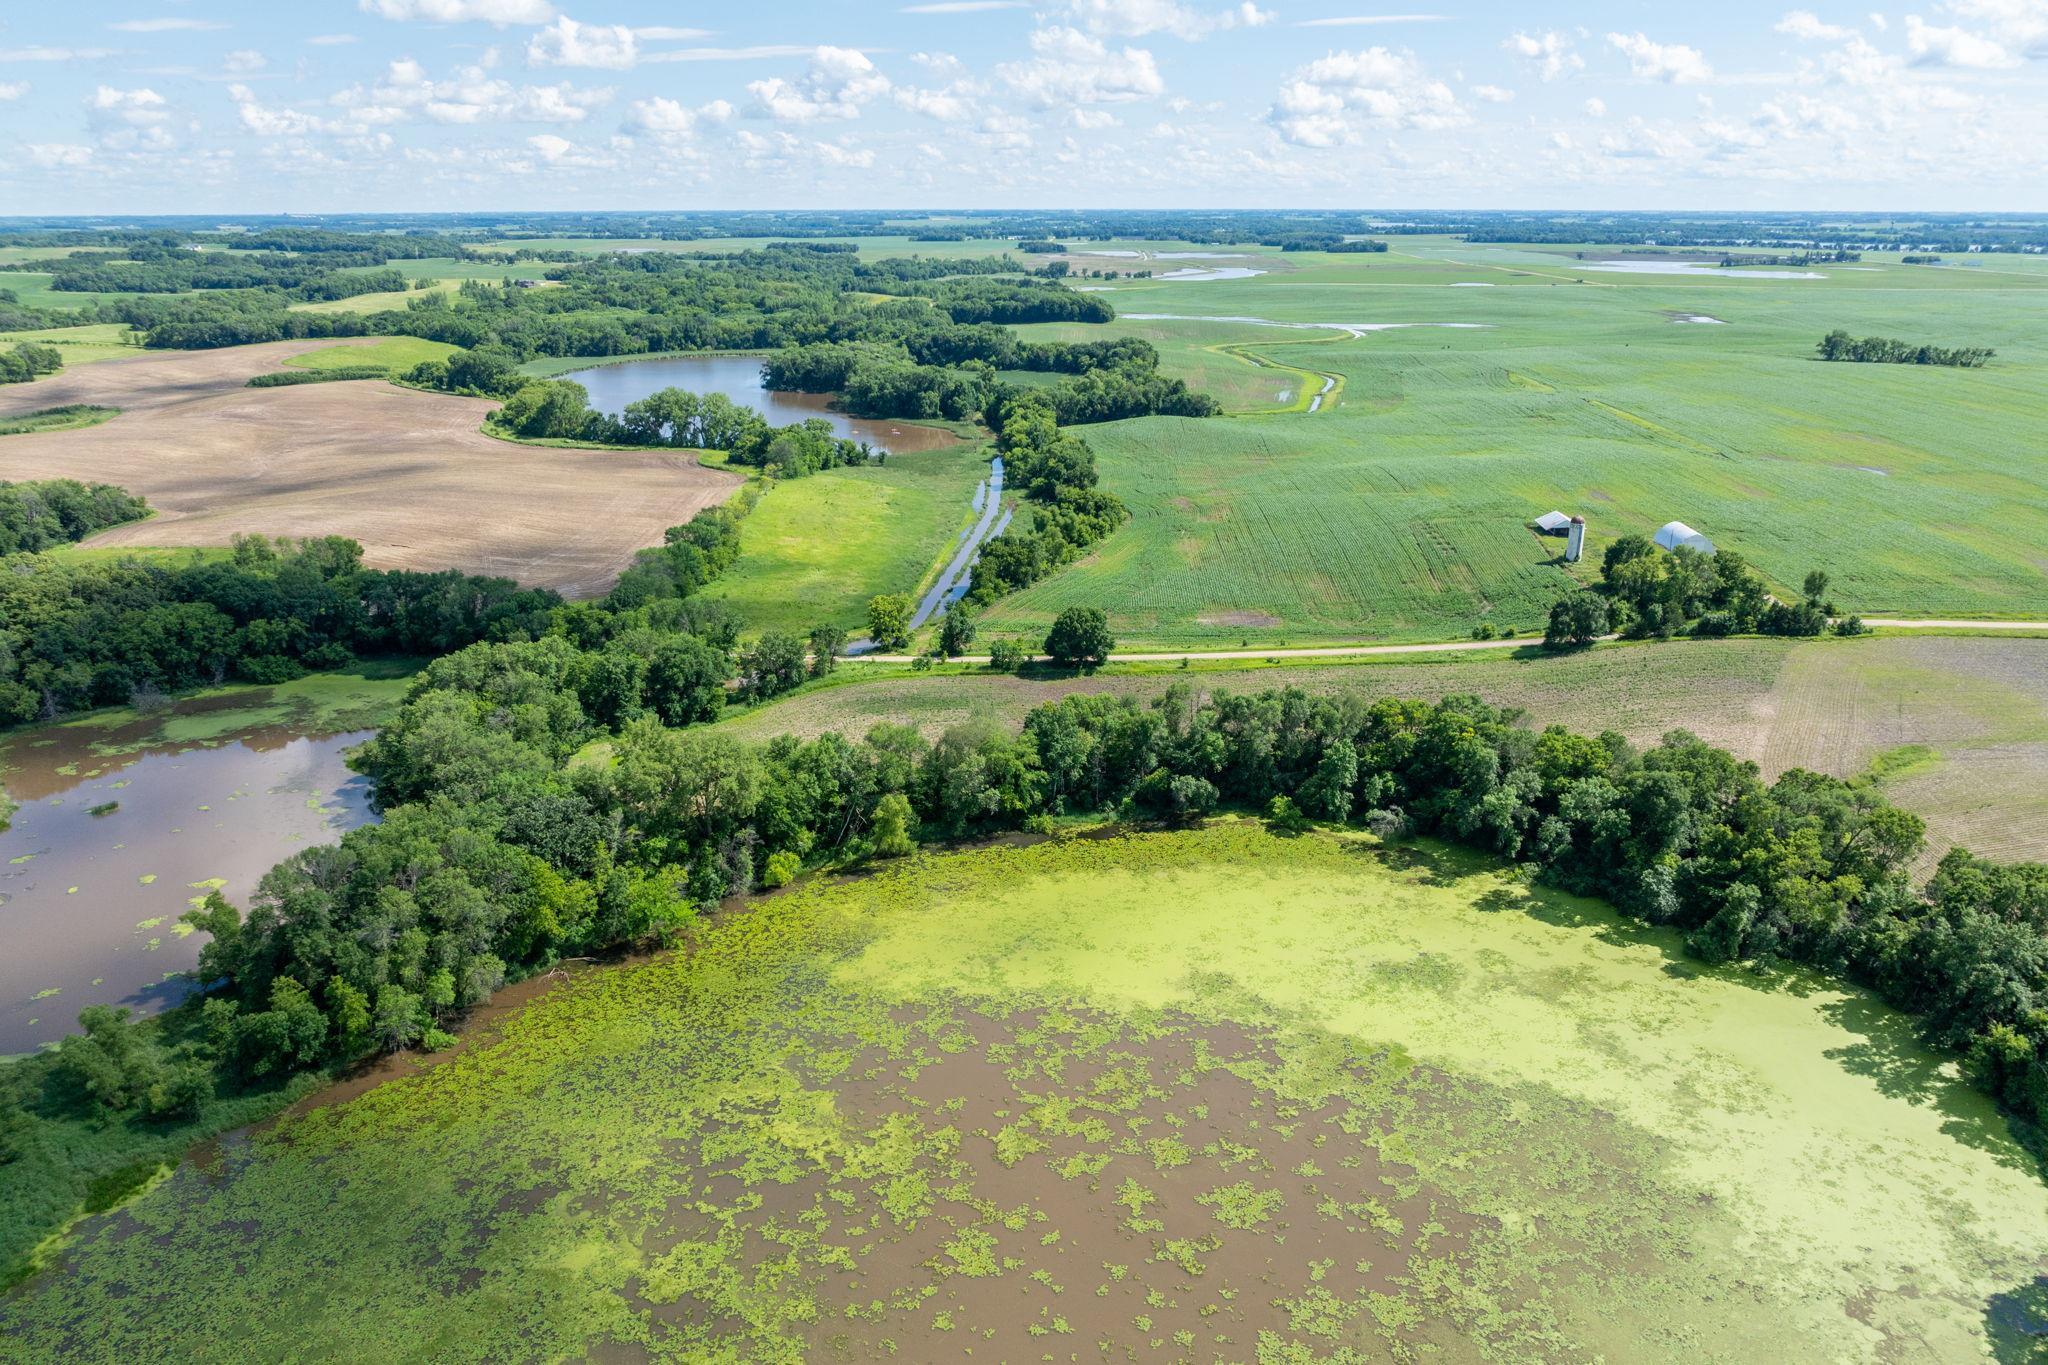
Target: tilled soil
x=410, y=475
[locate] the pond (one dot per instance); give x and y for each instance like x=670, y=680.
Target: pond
x=738, y=377
x=89, y=902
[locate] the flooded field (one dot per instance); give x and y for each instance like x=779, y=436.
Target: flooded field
x=1214, y=1095
x=122, y=825
x=738, y=377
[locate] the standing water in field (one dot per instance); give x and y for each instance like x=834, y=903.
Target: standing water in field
x=738, y=377
x=112, y=844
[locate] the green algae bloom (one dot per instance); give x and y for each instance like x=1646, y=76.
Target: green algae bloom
x=1215, y=1094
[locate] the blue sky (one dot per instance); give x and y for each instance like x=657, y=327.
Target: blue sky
x=309, y=105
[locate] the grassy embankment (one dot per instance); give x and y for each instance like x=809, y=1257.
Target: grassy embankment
x=1215, y=1092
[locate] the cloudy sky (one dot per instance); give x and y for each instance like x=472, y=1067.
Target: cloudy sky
x=309, y=105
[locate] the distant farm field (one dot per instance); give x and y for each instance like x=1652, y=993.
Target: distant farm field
x=1398, y=510
x=814, y=550
x=397, y=354
x=1959, y=723
x=410, y=475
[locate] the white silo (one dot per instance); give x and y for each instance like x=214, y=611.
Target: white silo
x=1575, y=544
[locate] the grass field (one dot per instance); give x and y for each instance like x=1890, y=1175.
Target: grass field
x=1398, y=511
x=1214, y=1094
x=1972, y=711
x=814, y=550
x=396, y=354
x=81, y=345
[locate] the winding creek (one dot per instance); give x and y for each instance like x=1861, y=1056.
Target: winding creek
x=90, y=902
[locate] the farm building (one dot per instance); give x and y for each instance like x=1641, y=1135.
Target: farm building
x=1673, y=534
x=1553, y=523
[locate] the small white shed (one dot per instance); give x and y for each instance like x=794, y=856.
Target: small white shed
x=1553, y=523
x=1673, y=534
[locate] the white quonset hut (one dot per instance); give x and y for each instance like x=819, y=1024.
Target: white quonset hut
x=1673, y=534
x=1553, y=523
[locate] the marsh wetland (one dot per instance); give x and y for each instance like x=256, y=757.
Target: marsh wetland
x=981, y=1106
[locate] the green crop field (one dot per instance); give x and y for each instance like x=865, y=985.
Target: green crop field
x=1025, y=1100
x=1971, y=713
x=394, y=353
x=816, y=549
x=1398, y=510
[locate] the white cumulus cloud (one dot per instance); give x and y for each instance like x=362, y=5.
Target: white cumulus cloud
x=1804, y=23
x=666, y=118
x=1136, y=18
x=1674, y=63
x=1928, y=45
x=839, y=81
x=1551, y=53
x=1332, y=100
x=568, y=43
x=1068, y=67
x=463, y=11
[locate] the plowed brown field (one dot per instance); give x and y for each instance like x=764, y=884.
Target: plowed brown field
x=408, y=474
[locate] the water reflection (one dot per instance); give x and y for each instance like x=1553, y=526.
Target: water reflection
x=89, y=903
x=738, y=377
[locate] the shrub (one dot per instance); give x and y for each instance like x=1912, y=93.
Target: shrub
x=781, y=869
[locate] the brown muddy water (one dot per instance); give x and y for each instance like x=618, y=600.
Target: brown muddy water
x=738, y=377
x=89, y=903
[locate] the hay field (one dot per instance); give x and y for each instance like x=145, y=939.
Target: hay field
x=408, y=474
x=1961, y=723
x=1212, y=1095
x=815, y=549
x=1397, y=511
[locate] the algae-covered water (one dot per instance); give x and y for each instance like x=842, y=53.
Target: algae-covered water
x=1204, y=1096
x=125, y=821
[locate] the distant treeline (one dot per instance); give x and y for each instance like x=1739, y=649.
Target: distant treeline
x=1733, y=262
x=78, y=635
x=35, y=516
x=950, y=372
x=1839, y=345
x=623, y=305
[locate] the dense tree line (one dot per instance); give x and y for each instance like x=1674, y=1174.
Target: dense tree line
x=498, y=855
x=1056, y=471
x=1646, y=593
x=79, y=635
x=950, y=373
x=28, y=360
x=1839, y=345
x=35, y=516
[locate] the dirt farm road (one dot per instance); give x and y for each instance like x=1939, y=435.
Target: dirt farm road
x=1436, y=647
x=409, y=474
